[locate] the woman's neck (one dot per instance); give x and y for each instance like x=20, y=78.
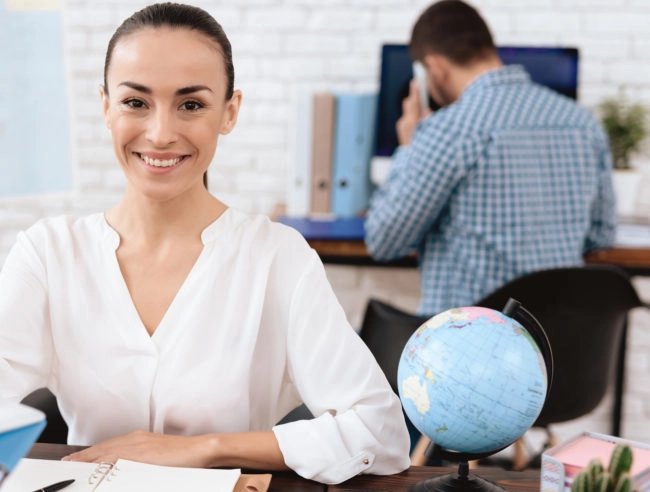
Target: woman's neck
x=139, y=218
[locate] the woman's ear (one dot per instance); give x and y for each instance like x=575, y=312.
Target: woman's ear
x=230, y=113
x=105, y=106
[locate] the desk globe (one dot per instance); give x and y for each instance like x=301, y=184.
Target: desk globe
x=474, y=380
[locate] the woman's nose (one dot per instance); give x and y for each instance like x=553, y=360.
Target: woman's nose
x=161, y=128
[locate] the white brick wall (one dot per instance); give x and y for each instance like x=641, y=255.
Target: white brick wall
x=282, y=47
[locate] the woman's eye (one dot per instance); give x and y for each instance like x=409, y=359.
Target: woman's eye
x=134, y=103
x=191, y=105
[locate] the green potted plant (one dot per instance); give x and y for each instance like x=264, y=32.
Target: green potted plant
x=626, y=124
x=615, y=478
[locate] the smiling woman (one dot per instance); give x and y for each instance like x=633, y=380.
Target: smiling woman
x=199, y=325
x=167, y=96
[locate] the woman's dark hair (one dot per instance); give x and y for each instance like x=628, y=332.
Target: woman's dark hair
x=453, y=29
x=176, y=15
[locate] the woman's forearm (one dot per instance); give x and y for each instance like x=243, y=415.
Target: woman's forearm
x=255, y=450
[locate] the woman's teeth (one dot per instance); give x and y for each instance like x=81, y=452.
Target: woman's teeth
x=161, y=162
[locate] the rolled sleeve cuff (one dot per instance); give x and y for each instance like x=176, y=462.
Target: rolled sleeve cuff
x=314, y=450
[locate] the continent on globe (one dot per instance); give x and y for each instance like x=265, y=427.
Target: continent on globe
x=417, y=392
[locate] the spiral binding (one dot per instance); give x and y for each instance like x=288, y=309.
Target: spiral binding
x=104, y=471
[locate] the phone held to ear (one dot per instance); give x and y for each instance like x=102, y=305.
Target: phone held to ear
x=420, y=74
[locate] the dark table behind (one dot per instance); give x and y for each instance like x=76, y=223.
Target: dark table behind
x=340, y=241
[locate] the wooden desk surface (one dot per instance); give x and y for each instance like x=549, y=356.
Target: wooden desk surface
x=353, y=252
x=340, y=241
x=526, y=481
x=634, y=258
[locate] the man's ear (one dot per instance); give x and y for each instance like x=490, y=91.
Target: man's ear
x=105, y=106
x=230, y=113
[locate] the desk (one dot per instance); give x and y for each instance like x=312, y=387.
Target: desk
x=341, y=242
x=635, y=261
x=525, y=481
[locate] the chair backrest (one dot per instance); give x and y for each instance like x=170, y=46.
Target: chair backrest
x=56, y=430
x=385, y=330
x=583, y=311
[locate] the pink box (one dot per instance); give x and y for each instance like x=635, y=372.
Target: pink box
x=561, y=463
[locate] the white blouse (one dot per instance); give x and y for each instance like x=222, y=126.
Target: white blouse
x=254, y=331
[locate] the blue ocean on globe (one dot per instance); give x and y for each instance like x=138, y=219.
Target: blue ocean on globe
x=472, y=380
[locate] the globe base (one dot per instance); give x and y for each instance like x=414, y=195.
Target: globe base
x=461, y=481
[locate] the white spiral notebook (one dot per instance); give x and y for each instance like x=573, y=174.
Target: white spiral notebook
x=123, y=476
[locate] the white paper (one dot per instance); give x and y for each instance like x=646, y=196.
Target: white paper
x=633, y=235
x=127, y=476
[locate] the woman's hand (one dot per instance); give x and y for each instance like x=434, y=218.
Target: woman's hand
x=148, y=447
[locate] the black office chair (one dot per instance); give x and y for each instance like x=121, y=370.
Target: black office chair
x=56, y=430
x=385, y=330
x=583, y=311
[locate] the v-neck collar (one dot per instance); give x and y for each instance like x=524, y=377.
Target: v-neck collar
x=124, y=301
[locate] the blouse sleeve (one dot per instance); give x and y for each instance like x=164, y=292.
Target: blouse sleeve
x=25, y=340
x=359, y=425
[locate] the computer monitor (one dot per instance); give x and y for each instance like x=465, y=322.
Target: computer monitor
x=553, y=67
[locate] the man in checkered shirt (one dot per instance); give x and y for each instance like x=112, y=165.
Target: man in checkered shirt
x=507, y=178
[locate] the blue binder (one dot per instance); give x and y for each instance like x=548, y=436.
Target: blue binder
x=20, y=426
x=353, y=149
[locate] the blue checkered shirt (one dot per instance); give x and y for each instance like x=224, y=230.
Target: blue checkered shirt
x=509, y=179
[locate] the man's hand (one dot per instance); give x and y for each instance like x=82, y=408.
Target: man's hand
x=148, y=447
x=411, y=115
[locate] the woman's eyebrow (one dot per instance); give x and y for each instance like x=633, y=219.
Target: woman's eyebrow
x=137, y=87
x=180, y=92
x=191, y=89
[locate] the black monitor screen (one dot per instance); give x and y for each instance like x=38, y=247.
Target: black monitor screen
x=556, y=68
x=553, y=67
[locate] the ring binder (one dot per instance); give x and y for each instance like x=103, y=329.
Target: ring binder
x=104, y=471
x=122, y=476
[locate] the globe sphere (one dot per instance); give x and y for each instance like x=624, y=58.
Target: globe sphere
x=472, y=380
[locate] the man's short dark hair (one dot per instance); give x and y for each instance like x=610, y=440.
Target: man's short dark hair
x=453, y=29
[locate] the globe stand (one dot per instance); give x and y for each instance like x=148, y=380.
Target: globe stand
x=462, y=481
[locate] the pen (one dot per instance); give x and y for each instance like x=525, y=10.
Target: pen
x=55, y=486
